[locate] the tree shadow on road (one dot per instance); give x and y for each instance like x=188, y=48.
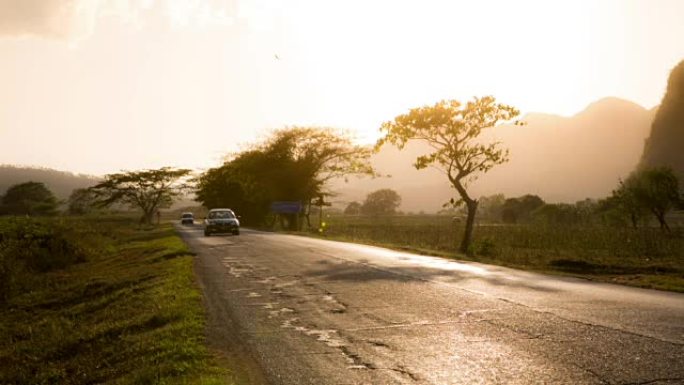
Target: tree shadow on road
x=363, y=271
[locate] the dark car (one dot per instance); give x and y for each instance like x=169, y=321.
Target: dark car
x=221, y=221
x=187, y=219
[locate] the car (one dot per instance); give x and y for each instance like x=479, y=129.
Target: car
x=187, y=219
x=221, y=221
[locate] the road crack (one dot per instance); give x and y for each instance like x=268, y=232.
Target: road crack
x=355, y=360
x=592, y=373
x=531, y=336
x=593, y=325
x=377, y=343
x=405, y=371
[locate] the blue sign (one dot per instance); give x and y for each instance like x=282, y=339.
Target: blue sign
x=286, y=207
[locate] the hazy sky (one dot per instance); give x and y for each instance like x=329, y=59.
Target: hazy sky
x=97, y=86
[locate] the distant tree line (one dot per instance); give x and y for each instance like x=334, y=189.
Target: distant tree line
x=650, y=193
x=645, y=194
x=379, y=202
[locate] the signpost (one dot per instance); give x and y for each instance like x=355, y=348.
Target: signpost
x=287, y=210
x=286, y=207
x=320, y=202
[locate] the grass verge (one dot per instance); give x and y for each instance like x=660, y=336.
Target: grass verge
x=645, y=257
x=129, y=314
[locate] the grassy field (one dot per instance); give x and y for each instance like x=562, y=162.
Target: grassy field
x=126, y=312
x=645, y=257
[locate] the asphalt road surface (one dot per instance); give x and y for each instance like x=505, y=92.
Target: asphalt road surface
x=308, y=311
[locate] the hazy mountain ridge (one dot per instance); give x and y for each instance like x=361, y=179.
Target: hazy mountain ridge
x=61, y=183
x=562, y=159
x=665, y=145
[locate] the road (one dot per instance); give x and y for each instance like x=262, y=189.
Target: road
x=309, y=311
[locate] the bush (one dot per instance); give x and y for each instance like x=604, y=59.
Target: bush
x=29, y=246
x=486, y=247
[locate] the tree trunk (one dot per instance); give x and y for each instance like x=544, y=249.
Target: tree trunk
x=320, y=217
x=470, y=222
x=149, y=218
x=146, y=218
x=662, y=221
x=307, y=214
x=293, y=222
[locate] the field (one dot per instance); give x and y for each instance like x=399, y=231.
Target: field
x=125, y=311
x=645, y=257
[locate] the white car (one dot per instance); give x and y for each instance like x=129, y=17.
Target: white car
x=187, y=219
x=221, y=221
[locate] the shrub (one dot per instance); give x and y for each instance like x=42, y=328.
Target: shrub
x=29, y=246
x=486, y=247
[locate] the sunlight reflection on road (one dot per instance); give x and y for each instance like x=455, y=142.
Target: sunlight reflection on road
x=422, y=260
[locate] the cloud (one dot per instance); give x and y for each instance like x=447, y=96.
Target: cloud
x=49, y=18
x=76, y=19
x=200, y=13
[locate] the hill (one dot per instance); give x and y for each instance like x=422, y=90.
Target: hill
x=665, y=145
x=562, y=159
x=61, y=183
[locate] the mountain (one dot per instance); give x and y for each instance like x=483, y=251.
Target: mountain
x=61, y=183
x=665, y=145
x=561, y=159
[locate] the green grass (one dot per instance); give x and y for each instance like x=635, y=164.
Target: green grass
x=645, y=257
x=129, y=314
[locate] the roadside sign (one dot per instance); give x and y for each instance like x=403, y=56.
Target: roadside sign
x=285, y=207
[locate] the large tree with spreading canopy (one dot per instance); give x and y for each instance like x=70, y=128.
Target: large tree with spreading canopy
x=147, y=190
x=451, y=130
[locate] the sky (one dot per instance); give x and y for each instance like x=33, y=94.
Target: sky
x=99, y=86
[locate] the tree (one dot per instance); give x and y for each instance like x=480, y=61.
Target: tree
x=81, y=201
x=519, y=209
x=227, y=186
x=317, y=156
x=624, y=200
x=147, y=190
x=30, y=198
x=353, y=208
x=557, y=214
x=451, y=130
x=490, y=207
x=381, y=202
x=293, y=164
x=655, y=190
